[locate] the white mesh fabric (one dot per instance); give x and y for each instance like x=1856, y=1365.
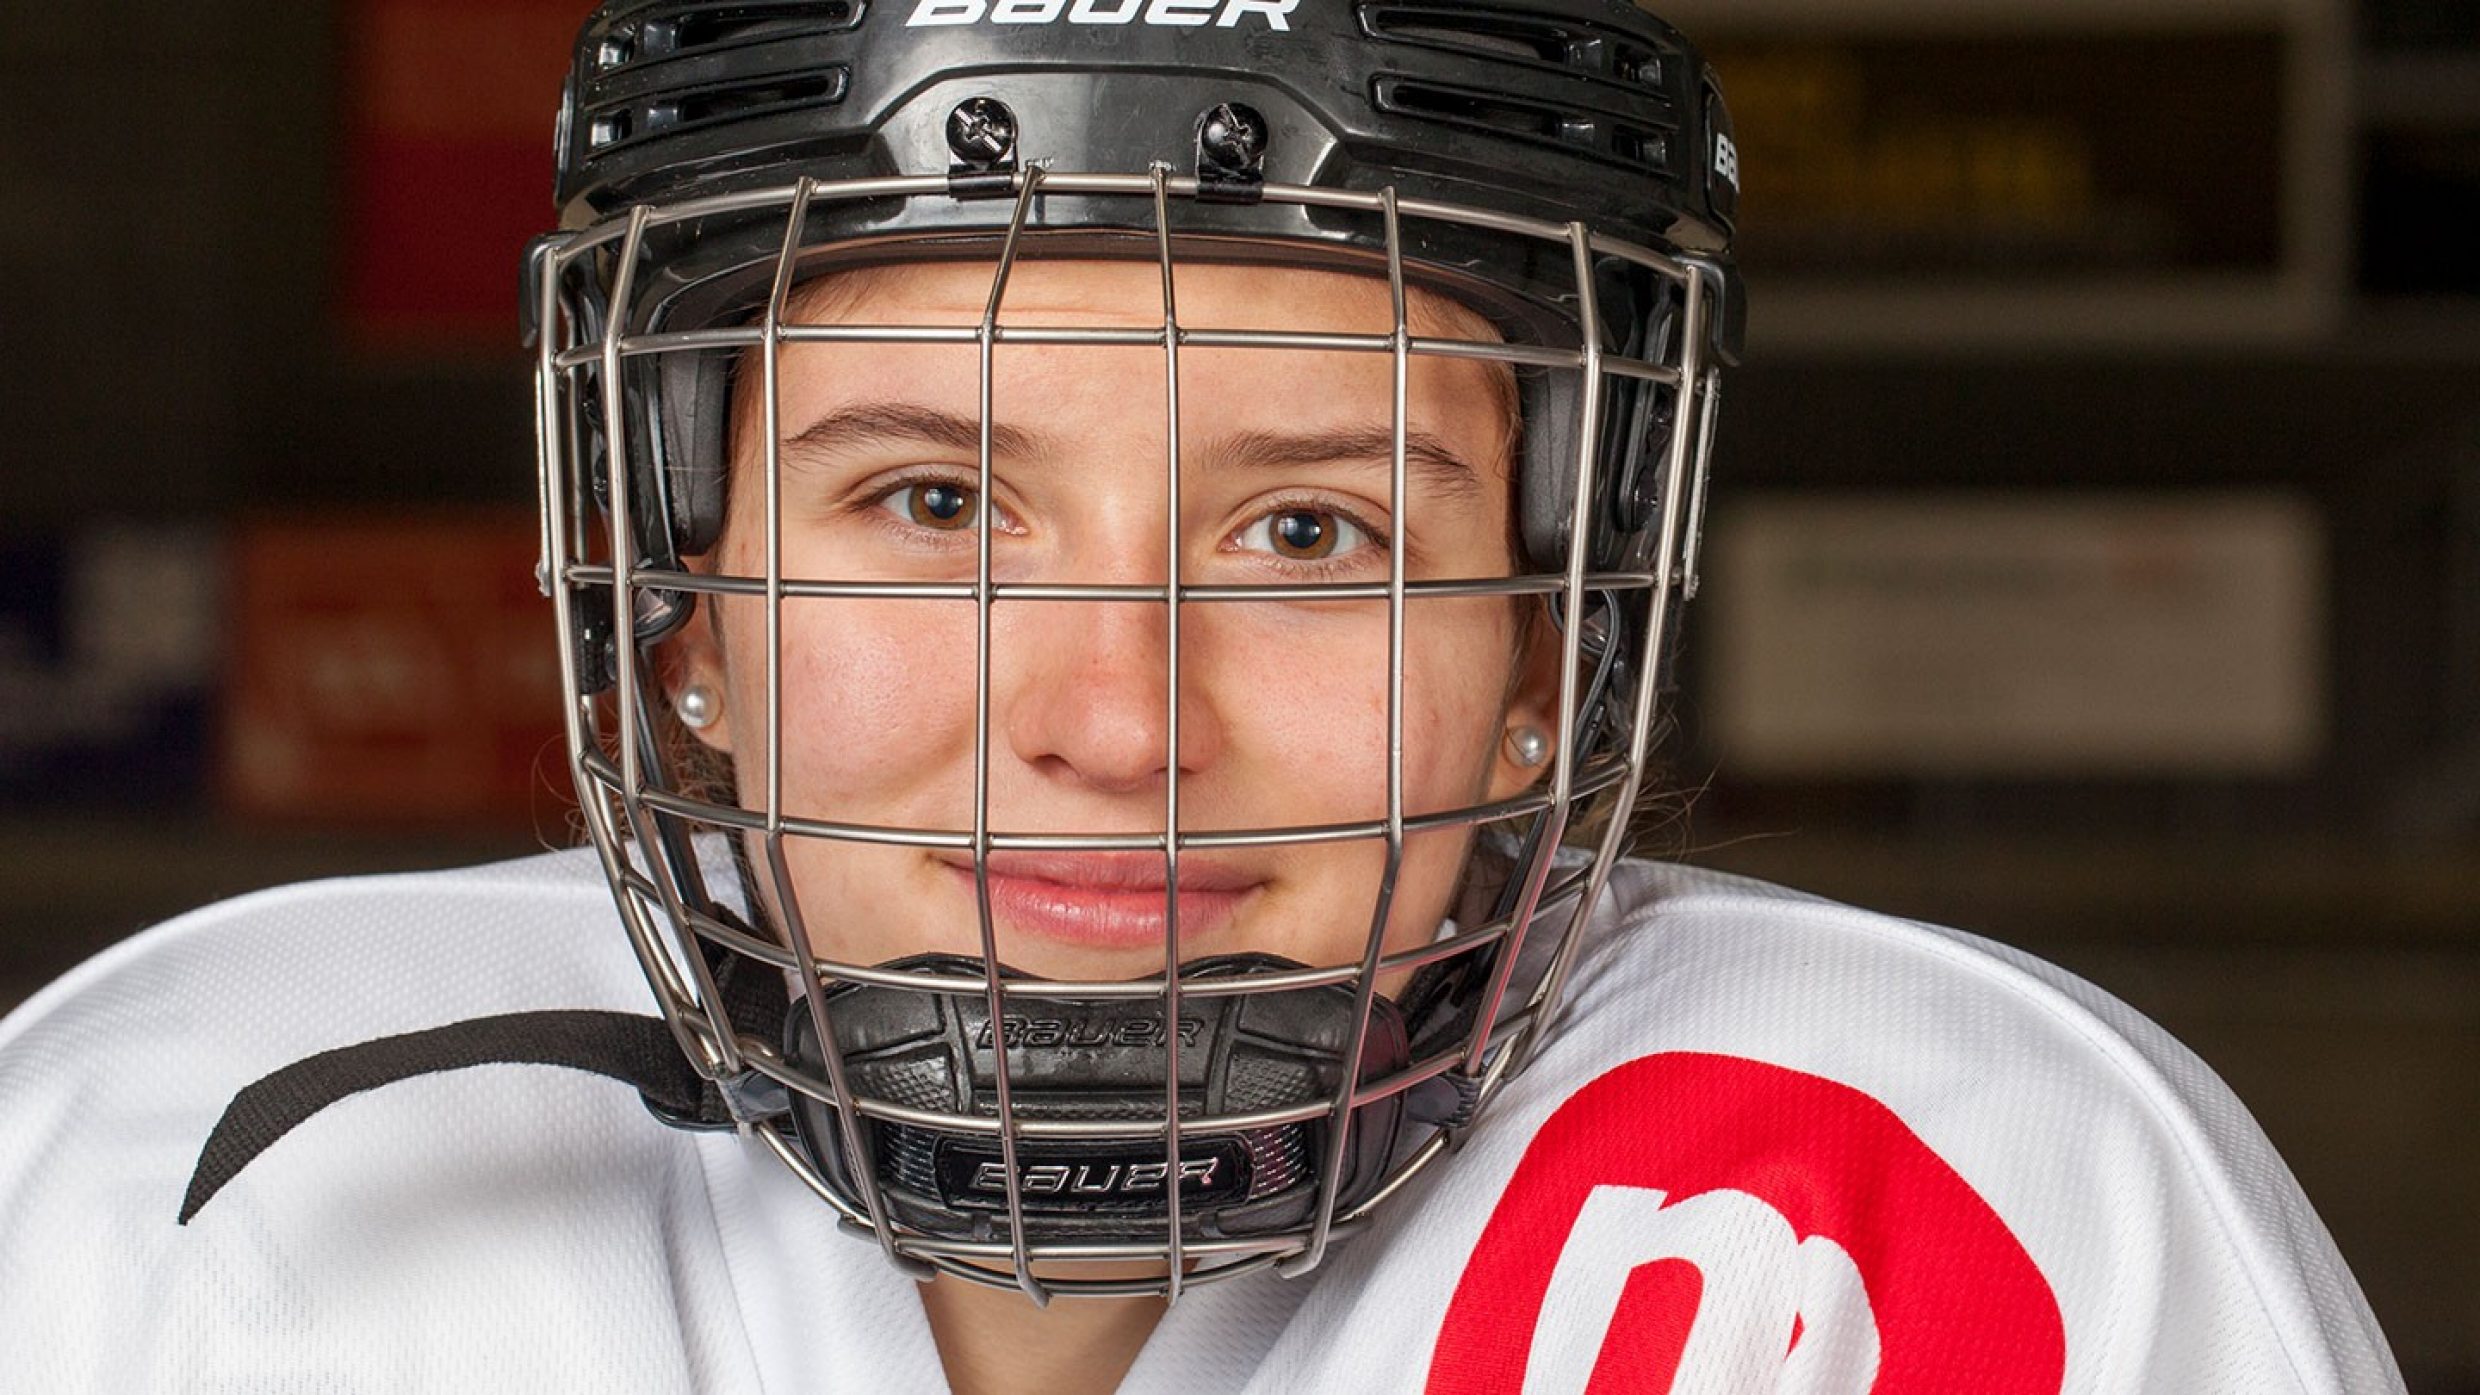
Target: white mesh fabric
x=530, y=1228
x=2181, y=1253
x=508, y=1227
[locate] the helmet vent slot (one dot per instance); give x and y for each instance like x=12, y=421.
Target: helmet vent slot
x=723, y=24
x=1467, y=107
x=697, y=28
x=1578, y=49
x=1582, y=130
x=684, y=110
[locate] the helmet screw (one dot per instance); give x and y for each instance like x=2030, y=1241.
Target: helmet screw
x=981, y=131
x=1232, y=136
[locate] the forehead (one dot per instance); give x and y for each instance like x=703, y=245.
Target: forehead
x=1117, y=388
x=1105, y=407
x=1208, y=294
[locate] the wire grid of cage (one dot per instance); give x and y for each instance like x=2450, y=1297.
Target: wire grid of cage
x=1613, y=627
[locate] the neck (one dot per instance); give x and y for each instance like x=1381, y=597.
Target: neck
x=995, y=1342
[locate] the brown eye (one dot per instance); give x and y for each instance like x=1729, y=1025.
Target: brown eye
x=946, y=507
x=1304, y=535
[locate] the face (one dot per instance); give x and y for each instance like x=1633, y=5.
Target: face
x=1282, y=705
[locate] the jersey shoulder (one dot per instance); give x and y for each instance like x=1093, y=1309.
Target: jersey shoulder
x=458, y=1203
x=1967, y=1128
x=315, y=926
x=263, y=979
x=1745, y=963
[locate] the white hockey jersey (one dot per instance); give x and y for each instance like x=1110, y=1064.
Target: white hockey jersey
x=1779, y=1145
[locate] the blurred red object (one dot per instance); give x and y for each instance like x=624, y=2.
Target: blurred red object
x=391, y=671
x=448, y=168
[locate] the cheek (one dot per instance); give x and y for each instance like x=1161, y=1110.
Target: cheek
x=1458, y=662
x=877, y=708
x=1304, y=698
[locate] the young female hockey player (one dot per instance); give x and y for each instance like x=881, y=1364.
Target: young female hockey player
x=1116, y=563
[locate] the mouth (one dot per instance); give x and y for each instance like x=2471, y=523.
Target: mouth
x=1111, y=901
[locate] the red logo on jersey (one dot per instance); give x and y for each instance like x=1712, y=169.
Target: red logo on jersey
x=1726, y=1224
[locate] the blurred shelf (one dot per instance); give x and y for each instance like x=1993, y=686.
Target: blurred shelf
x=2320, y=892
x=2420, y=89
x=2394, y=327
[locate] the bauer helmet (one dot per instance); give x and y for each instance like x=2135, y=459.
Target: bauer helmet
x=1562, y=168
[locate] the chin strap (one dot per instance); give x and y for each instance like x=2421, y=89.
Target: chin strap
x=640, y=1051
x=637, y=1050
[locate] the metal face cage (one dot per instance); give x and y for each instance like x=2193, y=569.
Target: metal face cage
x=921, y=1098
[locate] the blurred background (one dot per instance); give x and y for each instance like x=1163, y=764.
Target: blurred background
x=2094, y=561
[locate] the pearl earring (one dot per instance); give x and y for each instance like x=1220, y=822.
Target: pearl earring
x=696, y=706
x=1527, y=746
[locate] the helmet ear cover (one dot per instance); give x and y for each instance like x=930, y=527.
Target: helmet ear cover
x=690, y=401
x=1638, y=315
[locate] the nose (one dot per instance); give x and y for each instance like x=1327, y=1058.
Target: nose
x=1087, y=695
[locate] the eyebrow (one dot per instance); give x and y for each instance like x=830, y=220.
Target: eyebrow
x=826, y=437
x=1426, y=458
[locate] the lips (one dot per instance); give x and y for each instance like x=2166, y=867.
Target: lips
x=1107, y=900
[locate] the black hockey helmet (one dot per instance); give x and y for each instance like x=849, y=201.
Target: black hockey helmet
x=1563, y=167
x=1589, y=111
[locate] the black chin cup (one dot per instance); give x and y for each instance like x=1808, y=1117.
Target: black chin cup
x=1099, y=1059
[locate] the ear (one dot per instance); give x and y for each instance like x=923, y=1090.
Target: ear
x=693, y=657
x=1532, y=702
